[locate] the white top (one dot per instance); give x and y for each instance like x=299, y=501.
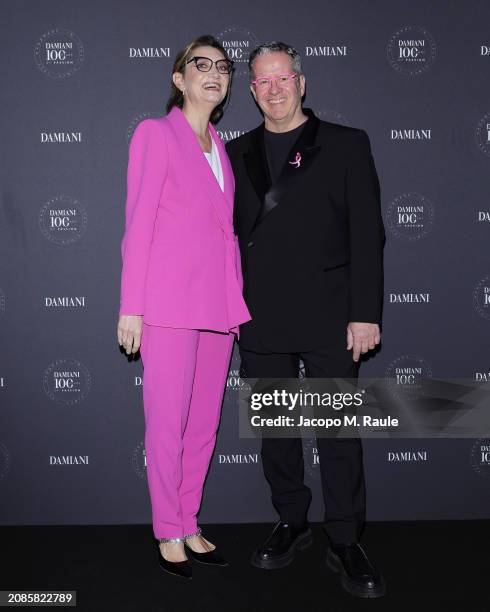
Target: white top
x=215, y=163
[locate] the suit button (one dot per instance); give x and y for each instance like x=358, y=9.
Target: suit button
x=250, y=244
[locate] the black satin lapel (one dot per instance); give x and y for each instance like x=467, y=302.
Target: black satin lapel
x=305, y=147
x=274, y=196
x=256, y=164
x=271, y=200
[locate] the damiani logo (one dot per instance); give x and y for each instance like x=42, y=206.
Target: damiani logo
x=59, y=53
x=236, y=49
x=482, y=376
x=482, y=134
x=238, y=458
x=227, y=135
x=61, y=137
x=238, y=42
x=149, y=52
x=64, y=302
x=409, y=298
x=411, y=50
x=410, y=134
x=63, y=220
x=407, y=375
x=234, y=381
x=484, y=454
x=67, y=381
x=68, y=460
x=480, y=457
x=407, y=456
x=326, y=51
x=410, y=216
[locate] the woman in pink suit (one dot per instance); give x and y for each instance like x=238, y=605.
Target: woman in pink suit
x=181, y=292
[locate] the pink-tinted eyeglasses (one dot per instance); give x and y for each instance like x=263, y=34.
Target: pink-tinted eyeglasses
x=265, y=81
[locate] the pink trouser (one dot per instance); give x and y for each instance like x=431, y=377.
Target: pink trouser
x=184, y=378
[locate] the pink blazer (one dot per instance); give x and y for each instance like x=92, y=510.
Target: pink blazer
x=181, y=261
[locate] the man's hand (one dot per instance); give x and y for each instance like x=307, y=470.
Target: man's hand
x=362, y=337
x=129, y=332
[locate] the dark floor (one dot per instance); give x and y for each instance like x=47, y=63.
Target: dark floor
x=434, y=566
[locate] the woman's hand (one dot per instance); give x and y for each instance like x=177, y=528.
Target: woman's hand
x=129, y=331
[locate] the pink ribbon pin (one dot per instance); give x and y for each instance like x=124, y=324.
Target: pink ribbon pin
x=297, y=160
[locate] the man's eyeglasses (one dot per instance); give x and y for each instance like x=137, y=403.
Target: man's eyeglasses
x=262, y=82
x=204, y=64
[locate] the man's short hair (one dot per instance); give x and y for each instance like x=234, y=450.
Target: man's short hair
x=274, y=47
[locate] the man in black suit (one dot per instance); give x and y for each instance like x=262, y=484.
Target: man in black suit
x=308, y=219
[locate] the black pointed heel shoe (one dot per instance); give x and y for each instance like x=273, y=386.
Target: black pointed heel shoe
x=183, y=569
x=211, y=557
x=208, y=558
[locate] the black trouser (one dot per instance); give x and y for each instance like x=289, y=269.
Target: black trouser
x=341, y=465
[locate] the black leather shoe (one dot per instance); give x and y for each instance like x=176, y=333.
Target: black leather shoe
x=208, y=558
x=183, y=569
x=281, y=546
x=358, y=575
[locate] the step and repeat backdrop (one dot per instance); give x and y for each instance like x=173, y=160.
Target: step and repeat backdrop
x=77, y=79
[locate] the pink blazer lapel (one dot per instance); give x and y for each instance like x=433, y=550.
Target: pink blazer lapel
x=229, y=179
x=222, y=201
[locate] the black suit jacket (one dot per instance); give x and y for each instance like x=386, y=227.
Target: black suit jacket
x=312, y=243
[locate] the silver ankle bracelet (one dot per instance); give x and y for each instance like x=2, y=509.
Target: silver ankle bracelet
x=182, y=539
x=191, y=535
x=161, y=540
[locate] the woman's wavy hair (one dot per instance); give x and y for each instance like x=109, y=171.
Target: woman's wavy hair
x=176, y=96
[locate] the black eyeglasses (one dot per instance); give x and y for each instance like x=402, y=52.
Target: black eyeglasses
x=204, y=64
